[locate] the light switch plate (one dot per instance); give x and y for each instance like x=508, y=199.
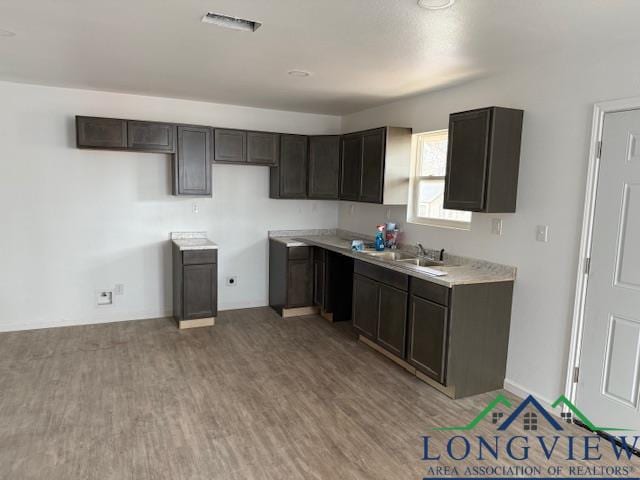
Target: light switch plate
x=542, y=233
x=496, y=226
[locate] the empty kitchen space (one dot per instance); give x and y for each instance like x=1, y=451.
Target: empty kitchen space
x=278, y=239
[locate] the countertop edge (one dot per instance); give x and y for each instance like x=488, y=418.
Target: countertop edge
x=407, y=271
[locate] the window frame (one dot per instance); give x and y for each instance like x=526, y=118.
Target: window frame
x=414, y=185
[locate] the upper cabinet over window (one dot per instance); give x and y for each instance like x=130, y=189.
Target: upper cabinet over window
x=483, y=159
x=375, y=166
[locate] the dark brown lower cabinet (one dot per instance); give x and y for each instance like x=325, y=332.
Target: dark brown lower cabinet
x=428, y=337
x=199, y=291
x=366, y=306
x=380, y=306
x=195, y=284
x=290, y=276
x=392, y=324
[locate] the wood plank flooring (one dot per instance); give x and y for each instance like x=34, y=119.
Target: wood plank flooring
x=255, y=397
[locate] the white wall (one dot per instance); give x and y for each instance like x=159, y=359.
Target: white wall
x=74, y=221
x=557, y=96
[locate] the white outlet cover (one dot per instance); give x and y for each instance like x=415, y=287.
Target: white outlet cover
x=104, y=298
x=195, y=208
x=542, y=233
x=118, y=289
x=496, y=226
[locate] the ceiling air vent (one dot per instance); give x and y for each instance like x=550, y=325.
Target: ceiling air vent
x=231, y=22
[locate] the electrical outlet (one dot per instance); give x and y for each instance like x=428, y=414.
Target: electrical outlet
x=232, y=281
x=542, y=233
x=195, y=208
x=104, y=298
x=388, y=214
x=352, y=209
x=496, y=226
x=118, y=289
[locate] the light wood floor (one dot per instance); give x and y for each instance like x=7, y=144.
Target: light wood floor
x=255, y=396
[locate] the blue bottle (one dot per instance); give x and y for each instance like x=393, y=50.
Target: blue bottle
x=380, y=238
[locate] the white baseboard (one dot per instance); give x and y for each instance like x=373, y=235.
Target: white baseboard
x=145, y=315
x=523, y=392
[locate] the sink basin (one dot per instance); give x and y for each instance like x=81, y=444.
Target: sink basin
x=421, y=262
x=391, y=255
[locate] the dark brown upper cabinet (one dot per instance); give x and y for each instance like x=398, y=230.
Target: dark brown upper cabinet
x=289, y=178
x=263, y=148
x=103, y=133
x=351, y=167
x=375, y=166
x=151, y=136
x=372, y=179
x=324, y=167
x=483, y=159
x=230, y=146
x=192, y=162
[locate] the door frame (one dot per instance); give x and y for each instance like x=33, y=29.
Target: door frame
x=577, y=327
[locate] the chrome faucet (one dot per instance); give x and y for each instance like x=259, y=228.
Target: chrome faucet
x=422, y=252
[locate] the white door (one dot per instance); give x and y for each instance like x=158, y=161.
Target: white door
x=610, y=358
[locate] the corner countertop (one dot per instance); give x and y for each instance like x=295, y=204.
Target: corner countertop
x=192, y=241
x=459, y=270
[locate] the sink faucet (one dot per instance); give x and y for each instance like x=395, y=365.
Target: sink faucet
x=422, y=252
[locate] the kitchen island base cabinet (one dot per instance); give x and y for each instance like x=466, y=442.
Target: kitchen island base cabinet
x=195, y=287
x=290, y=279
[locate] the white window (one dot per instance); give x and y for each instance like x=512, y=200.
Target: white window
x=427, y=184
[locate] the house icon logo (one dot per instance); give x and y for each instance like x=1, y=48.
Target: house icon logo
x=530, y=412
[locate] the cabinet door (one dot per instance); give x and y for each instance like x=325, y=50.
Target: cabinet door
x=366, y=306
x=192, y=166
x=373, y=151
x=392, y=323
x=299, y=283
x=350, y=167
x=230, y=146
x=467, y=160
x=200, y=283
x=428, y=337
x=92, y=132
x=151, y=136
x=324, y=167
x=263, y=148
x=319, y=277
x=293, y=166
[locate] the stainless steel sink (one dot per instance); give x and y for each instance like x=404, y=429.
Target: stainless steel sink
x=422, y=262
x=391, y=255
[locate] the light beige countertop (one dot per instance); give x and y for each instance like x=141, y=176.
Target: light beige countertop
x=192, y=241
x=459, y=270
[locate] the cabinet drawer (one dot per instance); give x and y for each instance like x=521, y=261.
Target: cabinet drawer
x=298, y=253
x=198, y=257
x=382, y=275
x=430, y=291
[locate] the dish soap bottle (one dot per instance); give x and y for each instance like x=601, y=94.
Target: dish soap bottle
x=380, y=238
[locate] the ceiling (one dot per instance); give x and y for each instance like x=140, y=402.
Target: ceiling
x=361, y=53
